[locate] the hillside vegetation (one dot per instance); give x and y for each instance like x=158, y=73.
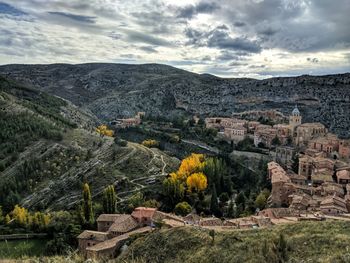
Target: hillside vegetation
x=301, y=242
x=49, y=148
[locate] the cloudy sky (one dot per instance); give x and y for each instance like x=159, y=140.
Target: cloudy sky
x=228, y=38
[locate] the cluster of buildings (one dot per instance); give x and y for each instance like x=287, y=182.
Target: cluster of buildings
x=128, y=122
x=322, y=185
x=114, y=230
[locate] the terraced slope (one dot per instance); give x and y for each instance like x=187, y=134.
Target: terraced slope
x=48, y=149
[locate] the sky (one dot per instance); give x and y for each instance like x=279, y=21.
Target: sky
x=227, y=38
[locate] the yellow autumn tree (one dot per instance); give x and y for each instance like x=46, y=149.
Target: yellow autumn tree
x=103, y=130
x=192, y=164
x=196, y=182
x=20, y=215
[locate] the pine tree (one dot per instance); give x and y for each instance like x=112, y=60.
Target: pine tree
x=231, y=210
x=88, y=215
x=109, y=199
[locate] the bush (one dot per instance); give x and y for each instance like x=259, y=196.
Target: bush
x=182, y=209
x=150, y=143
x=121, y=142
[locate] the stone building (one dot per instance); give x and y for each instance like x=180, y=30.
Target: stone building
x=333, y=205
x=308, y=131
x=284, y=155
x=236, y=133
x=294, y=119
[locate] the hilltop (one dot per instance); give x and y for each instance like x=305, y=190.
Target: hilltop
x=117, y=90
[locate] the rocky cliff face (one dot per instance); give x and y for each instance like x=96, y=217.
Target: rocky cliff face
x=116, y=90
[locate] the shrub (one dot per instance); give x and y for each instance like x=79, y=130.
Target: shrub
x=182, y=209
x=150, y=143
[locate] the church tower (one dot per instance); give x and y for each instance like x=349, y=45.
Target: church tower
x=294, y=119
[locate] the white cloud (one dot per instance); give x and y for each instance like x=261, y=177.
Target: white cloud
x=252, y=39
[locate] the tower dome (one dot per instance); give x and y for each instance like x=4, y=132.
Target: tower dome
x=296, y=111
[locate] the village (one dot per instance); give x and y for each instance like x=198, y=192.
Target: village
x=319, y=190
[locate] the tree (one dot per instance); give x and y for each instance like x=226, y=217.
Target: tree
x=196, y=182
x=230, y=210
x=276, y=141
x=104, y=131
x=224, y=197
x=150, y=143
x=260, y=201
x=182, y=209
x=135, y=200
x=174, y=190
x=1, y=216
x=214, y=206
x=87, y=211
x=109, y=199
x=295, y=163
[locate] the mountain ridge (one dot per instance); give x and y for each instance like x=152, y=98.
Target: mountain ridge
x=111, y=91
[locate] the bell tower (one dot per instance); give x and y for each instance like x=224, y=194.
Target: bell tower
x=294, y=119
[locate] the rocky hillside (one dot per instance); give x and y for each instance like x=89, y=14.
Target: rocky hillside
x=49, y=148
x=115, y=90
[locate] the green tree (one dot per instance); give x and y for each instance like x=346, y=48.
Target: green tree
x=87, y=211
x=2, y=219
x=295, y=163
x=174, y=190
x=214, y=206
x=135, y=200
x=231, y=210
x=224, y=197
x=109, y=199
x=240, y=200
x=276, y=141
x=182, y=209
x=260, y=201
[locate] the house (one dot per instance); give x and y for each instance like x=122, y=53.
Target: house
x=105, y=221
x=343, y=177
x=333, y=205
x=90, y=238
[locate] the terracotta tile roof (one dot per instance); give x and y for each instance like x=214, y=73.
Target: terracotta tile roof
x=108, y=217
x=158, y=215
x=113, y=242
x=123, y=224
x=141, y=212
x=210, y=221
x=93, y=235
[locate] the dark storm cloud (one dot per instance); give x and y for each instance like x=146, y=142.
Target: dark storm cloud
x=296, y=26
x=239, y=24
x=201, y=8
x=79, y=18
x=221, y=39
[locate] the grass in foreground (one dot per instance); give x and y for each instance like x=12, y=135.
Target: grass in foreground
x=324, y=242
x=14, y=249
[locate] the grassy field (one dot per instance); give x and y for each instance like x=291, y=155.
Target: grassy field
x=15, y=249
x=324, y=242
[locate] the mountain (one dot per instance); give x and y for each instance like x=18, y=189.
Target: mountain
x=117, y=90
x=49, y=148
